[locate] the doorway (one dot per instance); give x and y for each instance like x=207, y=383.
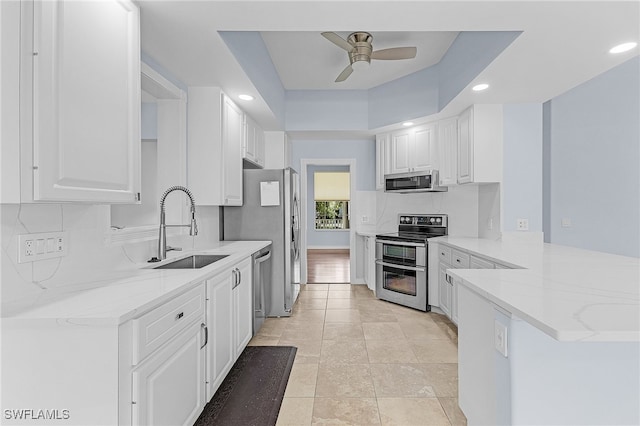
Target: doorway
x=327, y=237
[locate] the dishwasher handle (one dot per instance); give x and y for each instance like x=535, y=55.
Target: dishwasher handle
x=261, y=297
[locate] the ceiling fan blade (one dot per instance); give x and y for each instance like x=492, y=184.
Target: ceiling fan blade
x=344, y=74
x=395, y=53
x=337, y=40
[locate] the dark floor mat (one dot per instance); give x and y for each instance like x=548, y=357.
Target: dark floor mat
x=252, y=392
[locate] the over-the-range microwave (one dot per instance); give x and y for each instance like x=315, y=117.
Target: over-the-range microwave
x=422, y=181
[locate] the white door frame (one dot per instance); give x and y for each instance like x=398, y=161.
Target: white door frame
x=351, y=163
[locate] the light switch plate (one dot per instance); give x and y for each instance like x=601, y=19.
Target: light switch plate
x=40, y=246
x=500, y=337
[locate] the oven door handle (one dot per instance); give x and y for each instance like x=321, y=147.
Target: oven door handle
x=394, y=265
x=400, y=243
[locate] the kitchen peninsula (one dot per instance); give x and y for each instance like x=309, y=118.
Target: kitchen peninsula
x=555, y=342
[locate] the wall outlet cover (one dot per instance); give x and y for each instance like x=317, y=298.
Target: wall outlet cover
x=40, y=246
x=523, y=224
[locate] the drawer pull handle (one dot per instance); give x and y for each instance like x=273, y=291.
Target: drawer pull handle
x=458, y=260
x=442, y=253
x=180, y=315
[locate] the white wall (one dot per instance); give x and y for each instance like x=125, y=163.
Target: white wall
x=522, y=166
x=595, y=156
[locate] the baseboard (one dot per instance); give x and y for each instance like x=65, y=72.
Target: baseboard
x=327, y=247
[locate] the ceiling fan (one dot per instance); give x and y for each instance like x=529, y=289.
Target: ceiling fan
x=358, y=46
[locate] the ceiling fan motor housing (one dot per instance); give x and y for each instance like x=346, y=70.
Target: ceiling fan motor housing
x=361, y=42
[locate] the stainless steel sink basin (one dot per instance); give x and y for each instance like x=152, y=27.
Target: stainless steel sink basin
x=195, y=261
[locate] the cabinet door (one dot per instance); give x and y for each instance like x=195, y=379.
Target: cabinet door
x=371, y=263
x=465, y=147
x=232, y=135
x=444, y=290
x=249, y=146
x=243, y=306
x=454, y=299
x=220, y=322
x=169, y=388
x=448, y=151
x=86, y=101
x=383, y=158
x=400, y=151
x=260, y=146
x=422, y=155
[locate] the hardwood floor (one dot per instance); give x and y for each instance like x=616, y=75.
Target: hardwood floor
x=328, y=266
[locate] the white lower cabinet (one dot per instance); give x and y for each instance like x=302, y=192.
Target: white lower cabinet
x=168, y=380
x=242, y=306
x=230, y=317
x=370, y=262
x=444, y=290
x=447, y=257
x=169, y=387
x=220, y=355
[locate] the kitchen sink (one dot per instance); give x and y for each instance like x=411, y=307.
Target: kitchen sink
x=195, y=261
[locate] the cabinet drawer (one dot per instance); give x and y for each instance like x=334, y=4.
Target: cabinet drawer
x=459, y=259
x=444, y=254
x=157, y=327
x=479, y=263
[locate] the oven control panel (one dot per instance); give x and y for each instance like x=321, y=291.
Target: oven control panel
x=424, y=220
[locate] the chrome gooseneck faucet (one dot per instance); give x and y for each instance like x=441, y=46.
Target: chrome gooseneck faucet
x=193, y=227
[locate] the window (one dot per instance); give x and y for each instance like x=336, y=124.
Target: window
x=332, y=195
x=332, y=215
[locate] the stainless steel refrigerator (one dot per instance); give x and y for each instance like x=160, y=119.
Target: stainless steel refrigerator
x=271, y=211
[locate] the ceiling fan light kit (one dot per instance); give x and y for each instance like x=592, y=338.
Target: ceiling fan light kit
x=360, y=51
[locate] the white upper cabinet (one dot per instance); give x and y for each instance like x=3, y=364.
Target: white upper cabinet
x=480, y=144
x=383, y=158
x=253, y=147
x=448, y=151
x=80, y=101
x=215, y=139
x=413, y=149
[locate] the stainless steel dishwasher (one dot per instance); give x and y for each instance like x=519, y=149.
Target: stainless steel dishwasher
x=261, y=286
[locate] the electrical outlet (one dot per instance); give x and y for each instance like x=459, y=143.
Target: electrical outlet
x=523, y=224
x=365, y=219
x=566, y=222
x=44, y=245
x=500, y=337
x=28, y=248
x=490, y=224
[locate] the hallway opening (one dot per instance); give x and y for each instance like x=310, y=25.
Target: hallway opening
x=328, y=266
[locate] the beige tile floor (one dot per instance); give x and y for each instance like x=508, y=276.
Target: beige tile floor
x=363, y=361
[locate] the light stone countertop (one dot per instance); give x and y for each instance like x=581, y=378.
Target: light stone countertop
x=128, y=294
x=568, y=293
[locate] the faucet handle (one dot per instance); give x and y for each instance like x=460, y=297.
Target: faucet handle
x=169, y=248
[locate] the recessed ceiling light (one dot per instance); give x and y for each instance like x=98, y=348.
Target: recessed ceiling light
x=624, y=47
x=479, y=87
x=246, y=97
x=408, y=123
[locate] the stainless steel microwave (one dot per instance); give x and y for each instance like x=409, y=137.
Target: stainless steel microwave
x=422, y=181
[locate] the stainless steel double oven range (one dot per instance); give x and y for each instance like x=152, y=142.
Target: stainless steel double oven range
x=401, y=260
